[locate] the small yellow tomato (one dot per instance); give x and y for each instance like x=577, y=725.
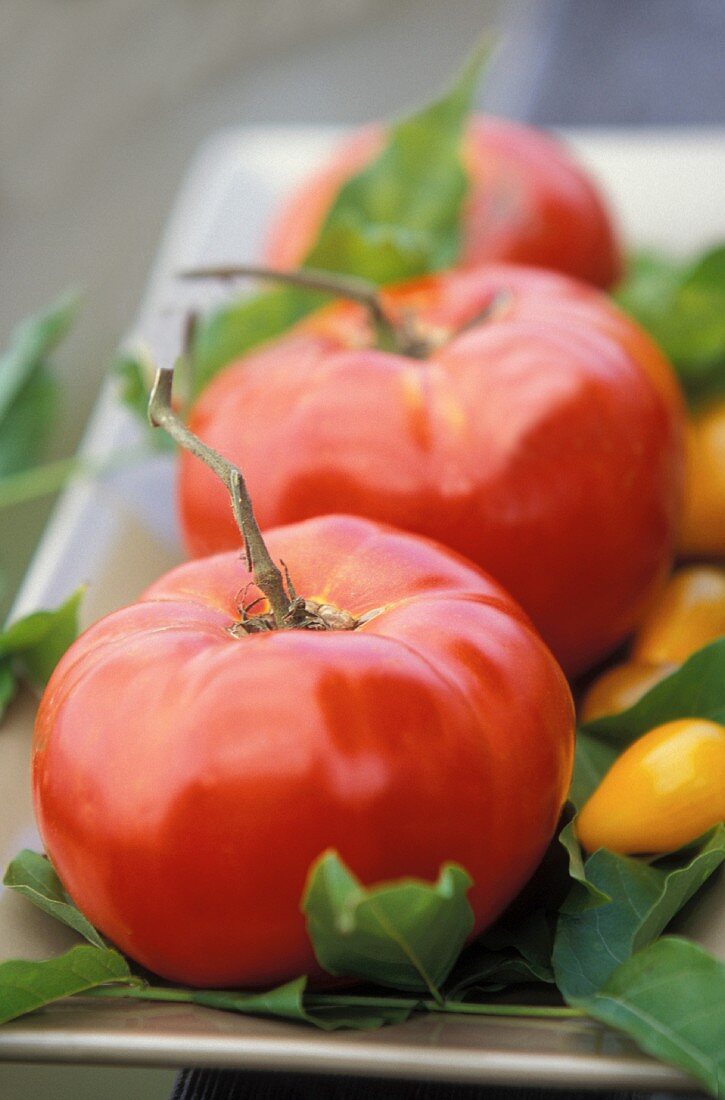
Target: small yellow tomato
x=620, y=687
x=703, y=523
x=665, y=790
x=688, y=614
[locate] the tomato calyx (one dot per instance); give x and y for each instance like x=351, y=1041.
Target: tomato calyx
x=404, y=332
x=302, y=614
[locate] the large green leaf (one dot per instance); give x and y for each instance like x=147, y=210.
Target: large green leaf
x=683, y=306
x=31, y=647
x=695, y=690
x=670, y=998
x=27, y=986
x=406, y=934
x=34, y=877
x=397, y=218
x=643, y=898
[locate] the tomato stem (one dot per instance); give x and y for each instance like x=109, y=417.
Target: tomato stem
x=390, y=336
x=229, y=999
x=265, y=573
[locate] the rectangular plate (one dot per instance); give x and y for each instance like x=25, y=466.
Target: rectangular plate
x=119, y=534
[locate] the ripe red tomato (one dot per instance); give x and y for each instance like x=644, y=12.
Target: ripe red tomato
x=544, y=443
x=529, y=202
x=185, y=778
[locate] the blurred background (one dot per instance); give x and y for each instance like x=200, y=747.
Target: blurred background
x=104, y=103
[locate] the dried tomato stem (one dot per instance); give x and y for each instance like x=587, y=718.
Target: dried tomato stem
x=342, y=286
x=267, y=576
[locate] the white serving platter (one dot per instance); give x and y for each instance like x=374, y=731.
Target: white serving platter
x=119, y=533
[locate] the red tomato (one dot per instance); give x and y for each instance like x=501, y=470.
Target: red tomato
x=529, y=202
x=544, y=443
x=185, y=778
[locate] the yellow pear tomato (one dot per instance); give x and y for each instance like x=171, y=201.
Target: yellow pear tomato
x=620, y=687
x=665, y=790
x=688, y=614
x=703, y=524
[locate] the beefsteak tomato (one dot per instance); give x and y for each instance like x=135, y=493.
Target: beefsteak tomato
x=542, y=437
x=528, y=202
x=186, y=773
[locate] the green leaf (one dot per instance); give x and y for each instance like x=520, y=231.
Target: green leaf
x=509, y=953
x=36, y=643
x=31, y=647
x=590, y=896
x=406, y=934
x=669, y=998
x=695, y=690
x=284, y=1001
x=34, y=877
x=288, y=1001
x=134, y=372
x=27, y=986
x=381, y=254
x=328, y=1011
x=30, y=343
x=231, y=331
x=411, y=194
x=27, y=422
x=7, y=686
x=397, y=218
x=683, y=306
x=591, y=942
x=28, y=393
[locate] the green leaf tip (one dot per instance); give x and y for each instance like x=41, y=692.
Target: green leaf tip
x=30, y=342
x=410, y=194
x=31, y=647
x=28, y=391
x=33, y=877
x=27, y=986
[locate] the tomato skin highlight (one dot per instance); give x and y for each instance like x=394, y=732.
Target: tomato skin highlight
x=545, y=443
x=529, y=202
x=185, y=779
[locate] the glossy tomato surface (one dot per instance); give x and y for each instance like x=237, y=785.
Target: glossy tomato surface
x=185, y=778
x=529, y=202
x=544, y=442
